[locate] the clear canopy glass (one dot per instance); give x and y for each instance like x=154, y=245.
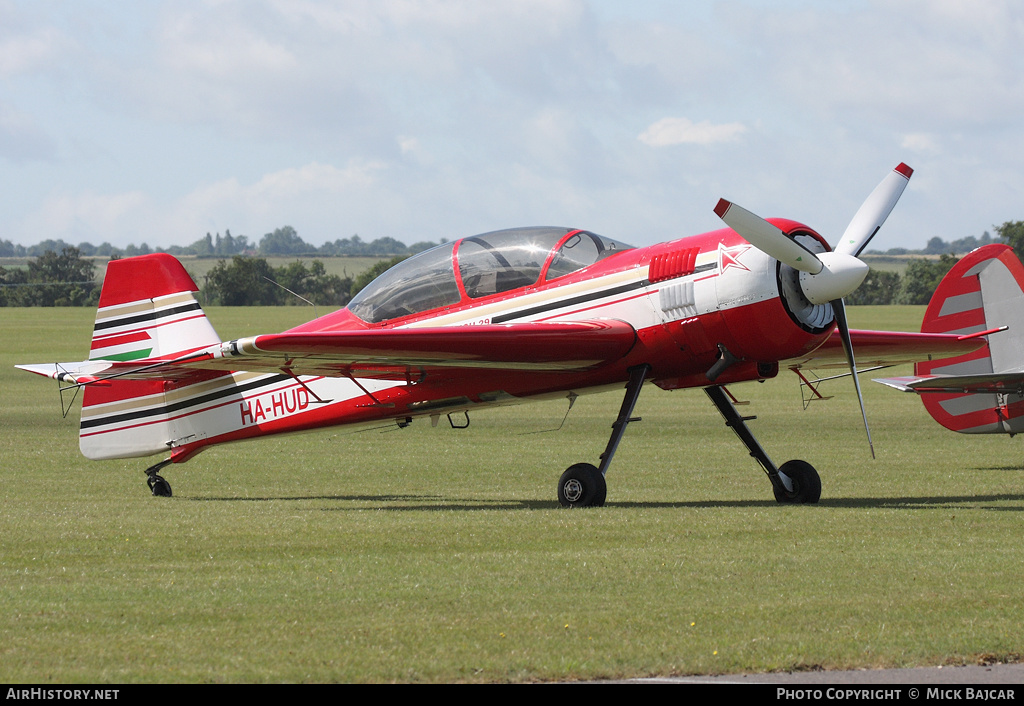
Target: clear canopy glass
x=479, y=266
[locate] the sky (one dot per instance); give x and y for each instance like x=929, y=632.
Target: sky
x=158, y=122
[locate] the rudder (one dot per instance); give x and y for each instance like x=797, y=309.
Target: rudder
x=147, y=309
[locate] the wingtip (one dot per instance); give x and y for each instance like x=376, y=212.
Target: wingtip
x=46, y=370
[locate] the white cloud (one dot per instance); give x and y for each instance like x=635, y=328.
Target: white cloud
x=90, y=217
x=920, y=142
x=190, y=45
x=311, y=194
x=21, y=53
x=446, y=117
x=308, y=198
x=679, y=131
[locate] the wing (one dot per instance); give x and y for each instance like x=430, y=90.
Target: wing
x=885, y=348
x=389, y=352
x=380, y=353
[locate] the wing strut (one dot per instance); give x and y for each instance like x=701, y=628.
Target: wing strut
x=288, y=371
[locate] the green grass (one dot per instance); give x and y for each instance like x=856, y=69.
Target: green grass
x=440, y=555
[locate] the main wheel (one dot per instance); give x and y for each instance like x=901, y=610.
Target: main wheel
x=160, y=487
x=806, y=483
x=582, y=485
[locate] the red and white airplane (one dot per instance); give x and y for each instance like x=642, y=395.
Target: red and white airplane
x=489, y=320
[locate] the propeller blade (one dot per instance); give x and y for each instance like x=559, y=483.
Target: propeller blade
x=839, y=307
x=767, y=238
x=873, y=212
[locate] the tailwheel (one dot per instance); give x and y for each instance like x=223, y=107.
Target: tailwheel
x=582, y=485
x=157, y=485
x=805, y=482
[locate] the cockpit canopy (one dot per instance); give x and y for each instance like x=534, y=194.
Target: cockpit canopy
x=480, y=266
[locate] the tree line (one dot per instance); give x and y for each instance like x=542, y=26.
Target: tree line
x=51, y=280
x=282, y=241
x=286, y=241
x=67, y=279
x=252, y=281
x=921, y=276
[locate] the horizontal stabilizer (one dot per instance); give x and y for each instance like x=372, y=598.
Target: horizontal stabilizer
x=82, y=372
x=994, y=383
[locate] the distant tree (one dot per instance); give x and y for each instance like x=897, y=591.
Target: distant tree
x=246, y=281
x=313, y=283
x=936, y=246
x=14, y=288
x=962, y=246
x=878, y=288
x=1012, y=233
x=421, y=246
x=387, y=246
x=251, y=281
x=49, y=245
x=284, y=241
x=68, y=266
x=52, y=280
x=229, y=244
x=381, y=247
x=344, y=247
x=9, y=249
x=132, y=250
x=374, y=272
x=921, y=279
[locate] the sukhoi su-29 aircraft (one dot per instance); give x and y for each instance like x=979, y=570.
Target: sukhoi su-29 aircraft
x=495, y=319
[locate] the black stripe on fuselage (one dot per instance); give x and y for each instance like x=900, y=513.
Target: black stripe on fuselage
x=184, y=404
x=572, y=301
x=148, y=316
x=584, y=298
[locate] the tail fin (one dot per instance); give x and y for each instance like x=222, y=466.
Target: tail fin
x=983, y=292
x=147, y=310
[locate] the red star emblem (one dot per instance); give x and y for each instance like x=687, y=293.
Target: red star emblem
x=730, y=257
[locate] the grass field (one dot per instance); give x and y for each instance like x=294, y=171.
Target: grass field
x=441, y=555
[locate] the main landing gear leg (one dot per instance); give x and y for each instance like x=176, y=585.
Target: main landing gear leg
x=157, y=484
x=583, y=484
x=795, y=482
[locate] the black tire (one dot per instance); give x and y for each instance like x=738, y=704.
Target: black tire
x=806, y=483
x=160, y=487
x=582, y=485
